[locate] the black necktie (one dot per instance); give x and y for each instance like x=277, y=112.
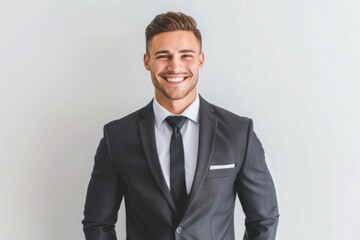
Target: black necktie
x=177, y=169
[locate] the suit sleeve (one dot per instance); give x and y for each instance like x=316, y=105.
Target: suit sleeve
x=103, y=197
x=256, y=192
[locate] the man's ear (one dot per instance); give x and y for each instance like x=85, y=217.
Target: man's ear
x=146, y=61
x=201, y=59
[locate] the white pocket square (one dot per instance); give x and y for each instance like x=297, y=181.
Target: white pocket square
x=214, y=167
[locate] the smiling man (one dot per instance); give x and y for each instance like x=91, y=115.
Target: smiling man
x=180, y=161
x=174, y=59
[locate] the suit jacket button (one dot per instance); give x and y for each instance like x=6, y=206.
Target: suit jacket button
x=178, y=230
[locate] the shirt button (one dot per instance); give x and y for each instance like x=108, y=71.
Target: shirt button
x=178, y=230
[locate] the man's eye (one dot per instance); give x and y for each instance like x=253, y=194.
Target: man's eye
x=163, y=57
x=187, y=56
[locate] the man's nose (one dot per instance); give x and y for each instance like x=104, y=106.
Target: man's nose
x=174, y=65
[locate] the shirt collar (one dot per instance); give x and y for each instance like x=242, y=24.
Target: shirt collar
x=191, y=112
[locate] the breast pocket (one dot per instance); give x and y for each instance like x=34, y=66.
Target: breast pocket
x=222, y=171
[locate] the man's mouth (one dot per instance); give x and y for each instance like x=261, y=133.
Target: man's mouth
x=174, y=78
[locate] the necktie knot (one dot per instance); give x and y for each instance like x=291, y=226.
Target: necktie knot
x=176, y=122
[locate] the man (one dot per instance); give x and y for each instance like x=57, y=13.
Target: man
x=180, y=161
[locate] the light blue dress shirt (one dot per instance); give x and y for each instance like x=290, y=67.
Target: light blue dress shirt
x=190, y=135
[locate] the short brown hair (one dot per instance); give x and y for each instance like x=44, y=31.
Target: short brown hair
x=171, y=21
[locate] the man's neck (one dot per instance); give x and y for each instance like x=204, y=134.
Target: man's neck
x=176, y=106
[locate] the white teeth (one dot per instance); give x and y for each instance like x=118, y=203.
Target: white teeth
x=175, y=79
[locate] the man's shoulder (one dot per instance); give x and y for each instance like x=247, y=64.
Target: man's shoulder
x=224, y=115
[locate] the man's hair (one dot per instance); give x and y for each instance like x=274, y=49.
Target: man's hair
x=171, y=21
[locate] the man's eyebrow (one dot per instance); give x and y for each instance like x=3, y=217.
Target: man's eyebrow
x=187, y=50
x=181, y=51
x=162, y=52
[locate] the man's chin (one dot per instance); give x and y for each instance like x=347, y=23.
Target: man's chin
x=177, y=97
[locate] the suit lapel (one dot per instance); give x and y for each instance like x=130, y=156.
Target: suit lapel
x=147, y=135
x=207, y=133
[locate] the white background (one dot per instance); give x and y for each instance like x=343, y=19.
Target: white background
x=68, y=67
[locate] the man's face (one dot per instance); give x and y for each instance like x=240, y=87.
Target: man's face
x=174, y=60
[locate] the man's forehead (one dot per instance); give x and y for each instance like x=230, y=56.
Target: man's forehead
x=175, y=41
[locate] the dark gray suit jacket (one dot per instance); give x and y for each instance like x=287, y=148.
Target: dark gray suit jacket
x=127, y=166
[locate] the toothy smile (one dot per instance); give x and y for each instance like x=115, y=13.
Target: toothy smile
x=175, y=79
